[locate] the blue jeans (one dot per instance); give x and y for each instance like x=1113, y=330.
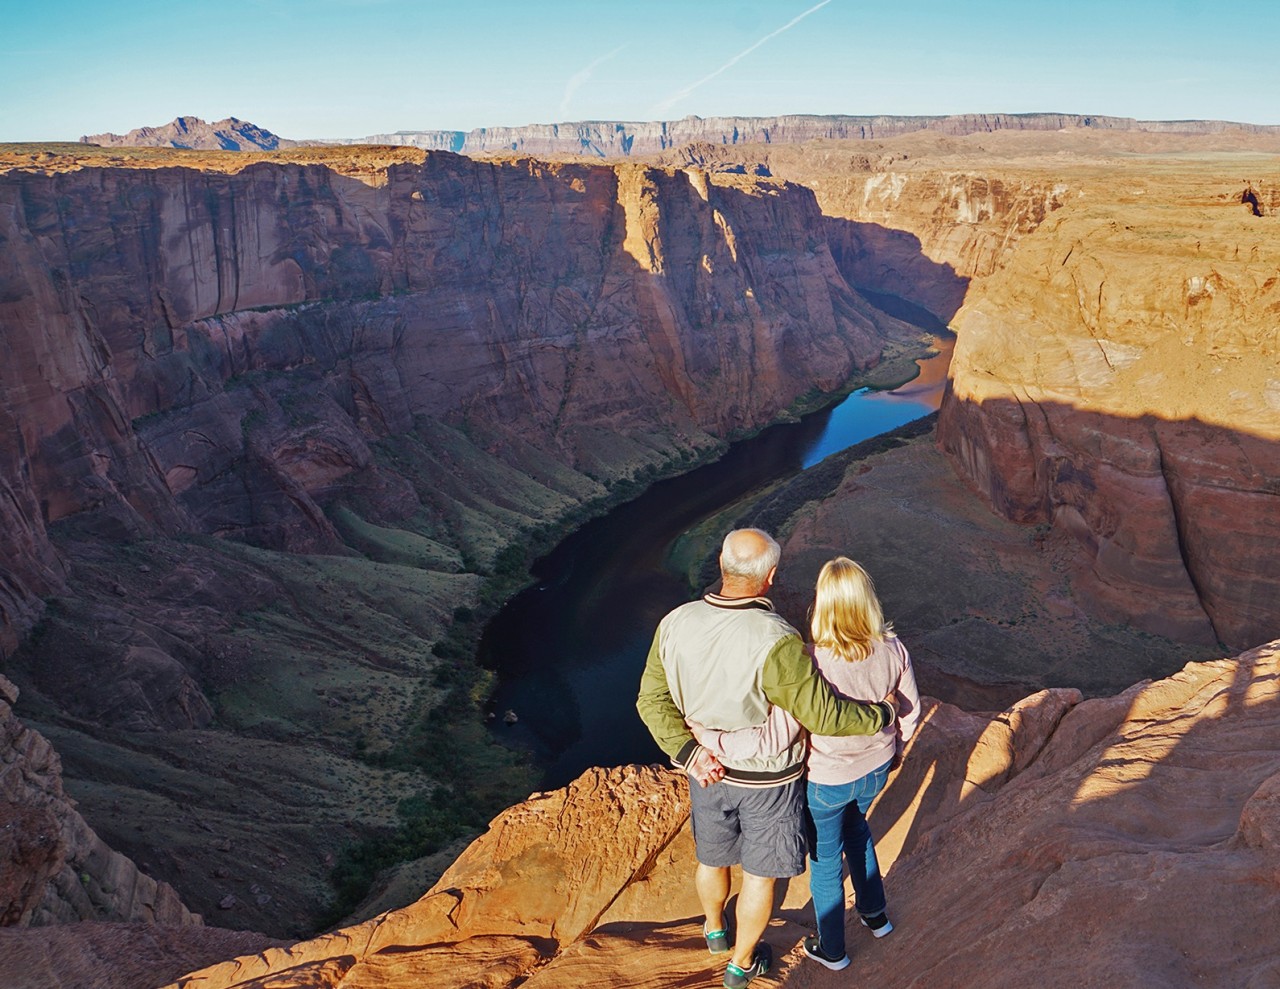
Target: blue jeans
x=839, y=830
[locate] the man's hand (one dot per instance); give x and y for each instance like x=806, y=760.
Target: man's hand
x=891, y=698
x=704, y=767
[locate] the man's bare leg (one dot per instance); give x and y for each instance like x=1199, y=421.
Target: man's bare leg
x=713, y=891
x=755, y=907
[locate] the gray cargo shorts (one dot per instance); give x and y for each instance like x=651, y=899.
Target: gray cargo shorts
x=760, y=827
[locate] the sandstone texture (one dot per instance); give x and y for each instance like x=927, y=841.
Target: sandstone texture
x=1086, y=867
x=218, y=353
x=1143, y=422
x=273, y=422
x=1116, y=373
x=99, y=954
x=56, y=869
x=923, y=214
x=987, y=607
x=1062, y=837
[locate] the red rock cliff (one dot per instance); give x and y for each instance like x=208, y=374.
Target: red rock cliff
x=216, y=350
x=1119, y=381
x=1117, y=367
x=56, y=869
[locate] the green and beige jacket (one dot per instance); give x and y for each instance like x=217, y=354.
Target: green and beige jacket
x=722, y=662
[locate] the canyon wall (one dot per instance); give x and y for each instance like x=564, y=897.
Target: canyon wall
x=1119, y=381
x=211, y=352
x=621, y=139
x=918, y=218
x=1116, y=372
x=56, y=869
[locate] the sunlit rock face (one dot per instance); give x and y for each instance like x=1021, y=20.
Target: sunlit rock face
x=221, y=350
x=1001, y=835
x=1117, y=374
x=274, y=418
x=1119, y=380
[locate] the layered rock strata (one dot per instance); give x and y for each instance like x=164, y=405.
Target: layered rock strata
x=1117, y=370
x=621, y=139
x=632, y=138
x=102, y=954
x=404, y=366
x=1119, y=381
x=221, y=353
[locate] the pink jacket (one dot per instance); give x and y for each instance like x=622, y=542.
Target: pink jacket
x=834, y=760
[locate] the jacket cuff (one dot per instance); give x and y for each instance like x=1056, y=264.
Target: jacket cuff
x=686, y=754
x=890, y=711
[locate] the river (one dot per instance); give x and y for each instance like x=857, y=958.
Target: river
x=568, y=651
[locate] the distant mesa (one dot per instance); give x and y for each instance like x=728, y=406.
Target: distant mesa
x=192, y=133
x=620, y=139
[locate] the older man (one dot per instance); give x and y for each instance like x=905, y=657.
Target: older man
x=722, y=661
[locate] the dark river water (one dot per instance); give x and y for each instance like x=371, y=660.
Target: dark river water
x=569, y=650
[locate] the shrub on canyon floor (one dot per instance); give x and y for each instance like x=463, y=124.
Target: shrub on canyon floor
x=475, y=779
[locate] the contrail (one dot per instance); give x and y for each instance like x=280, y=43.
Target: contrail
x=670, y=101
x=578, y=79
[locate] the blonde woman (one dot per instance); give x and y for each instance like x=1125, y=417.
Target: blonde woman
x=855, y=650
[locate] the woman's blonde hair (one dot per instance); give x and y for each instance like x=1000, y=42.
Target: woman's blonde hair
x=847, y=617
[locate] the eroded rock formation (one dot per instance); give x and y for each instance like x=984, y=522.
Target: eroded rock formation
x=1118, y=366
x=56, y=869
x=201, y=351
x=422, y=357
x=1144, y=420
x=402, y=362
x=192, y=133
x=621, y=139
x=634, y=138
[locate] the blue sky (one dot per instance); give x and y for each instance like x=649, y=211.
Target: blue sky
x=349, y=68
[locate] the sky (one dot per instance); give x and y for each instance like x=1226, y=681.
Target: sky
x=353, y=68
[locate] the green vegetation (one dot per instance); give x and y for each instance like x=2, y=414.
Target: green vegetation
x=475, y=779
x=446, y=739
x=393, y=545
x=251, y=420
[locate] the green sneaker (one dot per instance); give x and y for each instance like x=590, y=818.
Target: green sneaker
x=737, y=978
x=717, y=941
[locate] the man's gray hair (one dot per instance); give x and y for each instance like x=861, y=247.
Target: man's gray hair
x=750, y=561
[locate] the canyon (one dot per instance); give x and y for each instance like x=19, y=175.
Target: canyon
x=281, y=429
x=283, y=426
